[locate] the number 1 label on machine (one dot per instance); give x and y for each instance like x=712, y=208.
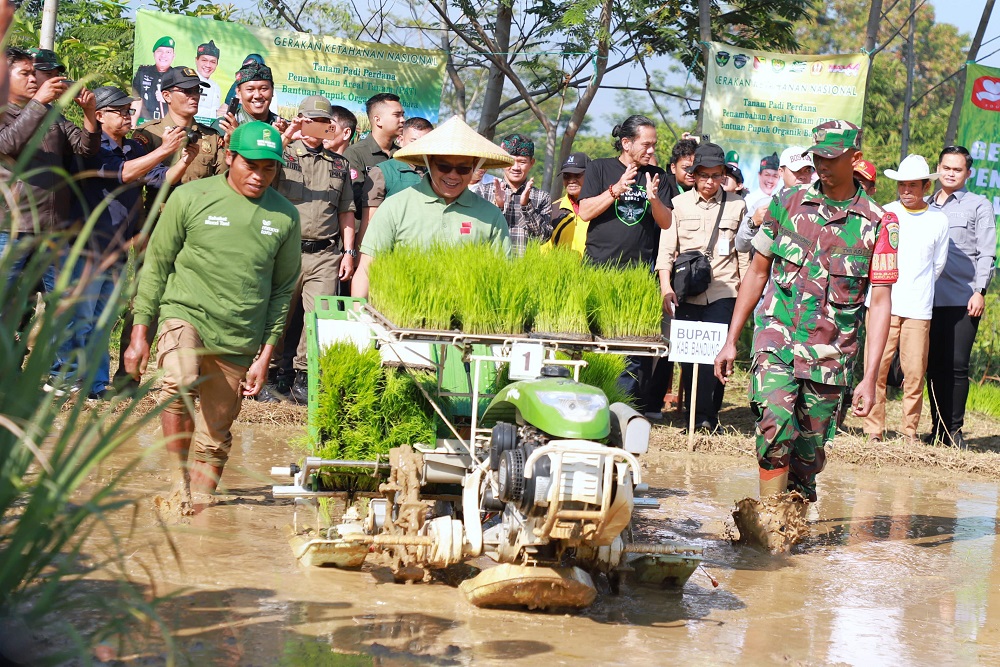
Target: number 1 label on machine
x=526, y=361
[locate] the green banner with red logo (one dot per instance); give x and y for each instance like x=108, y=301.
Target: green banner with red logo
x=979, y=130
x=758, y=103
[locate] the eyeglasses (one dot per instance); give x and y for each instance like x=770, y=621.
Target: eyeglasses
x=121, y=112
x=446, y=168
x=709, y=177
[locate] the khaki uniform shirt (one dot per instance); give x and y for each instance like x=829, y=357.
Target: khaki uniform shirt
x=211, y=158
x=319, y=184
x=694, y=222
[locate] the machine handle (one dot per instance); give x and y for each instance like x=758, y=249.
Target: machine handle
x=278, y=471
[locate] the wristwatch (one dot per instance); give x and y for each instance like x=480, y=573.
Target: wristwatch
x=352, y=252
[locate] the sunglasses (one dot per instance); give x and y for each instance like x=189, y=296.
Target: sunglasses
x=121, y=112
x=446, y=168
x=190, y=92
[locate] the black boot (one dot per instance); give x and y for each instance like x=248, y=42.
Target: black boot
x=300, y=388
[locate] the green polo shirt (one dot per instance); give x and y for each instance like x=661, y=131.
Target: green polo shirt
x=417, y=216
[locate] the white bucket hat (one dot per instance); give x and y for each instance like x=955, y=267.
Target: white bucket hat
x=912, y=168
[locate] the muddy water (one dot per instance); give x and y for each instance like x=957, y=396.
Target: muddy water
x=901, y=568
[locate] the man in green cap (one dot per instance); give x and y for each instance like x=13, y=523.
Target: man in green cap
x=819, y=249
x=318, y=182
x=255, y=90
x=150, y=104
x=220, y=270
x=206, y=61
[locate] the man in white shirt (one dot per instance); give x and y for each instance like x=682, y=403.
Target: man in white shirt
x=922, y=252
x=211, y=97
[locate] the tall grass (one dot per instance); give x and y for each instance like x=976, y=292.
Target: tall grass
x=48, y=449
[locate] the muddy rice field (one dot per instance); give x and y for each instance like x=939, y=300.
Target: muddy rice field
x=901, y=567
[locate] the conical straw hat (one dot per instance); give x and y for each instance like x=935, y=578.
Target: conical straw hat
x=454, y=137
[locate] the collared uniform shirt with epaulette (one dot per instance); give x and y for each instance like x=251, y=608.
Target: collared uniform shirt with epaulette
x=362, y=156
x=810, y=311
x=319, y=184
x=211, y=158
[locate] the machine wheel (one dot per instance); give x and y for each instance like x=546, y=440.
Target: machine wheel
x=503, y=438
x=511, y=476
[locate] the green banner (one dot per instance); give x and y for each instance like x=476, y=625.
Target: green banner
x=345, y=71
x=979, y=130
x=758, y=103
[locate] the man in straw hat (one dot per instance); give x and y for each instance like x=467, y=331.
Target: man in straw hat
x=440, y=208
x=923, y=251
x=827, y=243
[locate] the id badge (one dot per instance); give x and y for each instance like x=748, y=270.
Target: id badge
x=722, y=248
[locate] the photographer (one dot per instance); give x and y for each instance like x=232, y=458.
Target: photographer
x=182, y=92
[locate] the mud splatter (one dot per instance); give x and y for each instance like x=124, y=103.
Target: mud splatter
x=774, y=523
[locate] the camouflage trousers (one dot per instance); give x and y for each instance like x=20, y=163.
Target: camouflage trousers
x=793, y=417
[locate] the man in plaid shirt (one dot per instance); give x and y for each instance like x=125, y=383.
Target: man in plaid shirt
x=527, y=209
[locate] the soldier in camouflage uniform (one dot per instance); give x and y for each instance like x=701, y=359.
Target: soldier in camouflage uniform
x=819, y=248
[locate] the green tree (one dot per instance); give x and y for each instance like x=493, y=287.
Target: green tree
x=940, y=50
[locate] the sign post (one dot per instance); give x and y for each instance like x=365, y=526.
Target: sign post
x=695, y=343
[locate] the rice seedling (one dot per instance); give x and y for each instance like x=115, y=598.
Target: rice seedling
x=626, y=302
x=562, y=292
x=406, y=287
x=603, y=371
x=366, y=409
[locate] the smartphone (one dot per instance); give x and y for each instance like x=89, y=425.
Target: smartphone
x=319, y=130
x=234, y=106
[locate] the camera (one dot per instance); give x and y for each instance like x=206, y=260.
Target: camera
x=193, y=134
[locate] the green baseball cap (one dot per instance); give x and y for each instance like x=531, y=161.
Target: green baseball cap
x=257, y=140
x=834, y=138
x=164, y=41
x=315, y=106
x=46, y=60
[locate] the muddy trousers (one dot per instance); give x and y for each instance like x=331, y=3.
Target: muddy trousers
x=793, y=417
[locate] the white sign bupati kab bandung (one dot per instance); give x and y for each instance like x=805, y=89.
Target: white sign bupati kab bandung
x=696, y=342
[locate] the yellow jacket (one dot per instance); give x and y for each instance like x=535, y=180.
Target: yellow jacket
x=568, y=228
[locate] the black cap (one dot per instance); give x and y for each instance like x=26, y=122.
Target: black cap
x=181, y=77
x=770, y=162
x=111, y=96
x=576, y=163
x=707, y=155
x=735, y=173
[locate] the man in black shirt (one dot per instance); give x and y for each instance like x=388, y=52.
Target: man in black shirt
x=626, y=200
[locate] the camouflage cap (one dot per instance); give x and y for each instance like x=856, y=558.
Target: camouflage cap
x=518, y=145
x=834, y=138
x=46, y=60
x=253, y=72
x=164, y=41
x=315, y=106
